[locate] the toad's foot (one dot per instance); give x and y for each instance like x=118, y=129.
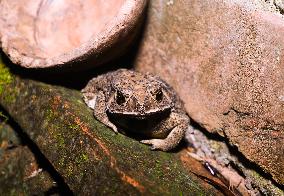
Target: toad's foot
x=113, y=127
x=157, y=144
x=175, y=136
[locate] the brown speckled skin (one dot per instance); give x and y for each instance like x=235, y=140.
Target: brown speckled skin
x=141, y=103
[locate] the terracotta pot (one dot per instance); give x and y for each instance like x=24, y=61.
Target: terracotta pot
x=61, y=33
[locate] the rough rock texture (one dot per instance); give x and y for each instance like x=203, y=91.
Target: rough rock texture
x=20, y=173
x=91, y=158
x=226, y=60
x=46, y=34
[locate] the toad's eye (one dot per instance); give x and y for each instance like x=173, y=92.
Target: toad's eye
x=120, y=99
x=159, y=95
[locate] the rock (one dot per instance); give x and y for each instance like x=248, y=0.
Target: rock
x=88, y=156
x=61, y=34
x=226, y=61
x=20, y=172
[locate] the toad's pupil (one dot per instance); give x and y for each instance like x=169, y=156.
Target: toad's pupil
x=120, y=99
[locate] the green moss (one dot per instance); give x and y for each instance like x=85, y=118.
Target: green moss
x=81, y=159
x=10, y=96
x=5, y=76
x=49, y=114
x=74, y=127
x=53, y=128
x=60, y=140
x=61, y=161
x=69, y=170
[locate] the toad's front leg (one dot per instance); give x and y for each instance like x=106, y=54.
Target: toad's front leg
x=181, y=123
x=96, y=101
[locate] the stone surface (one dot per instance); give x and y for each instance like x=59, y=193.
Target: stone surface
x=20, y=173
x=226, y=60
x=89, y=157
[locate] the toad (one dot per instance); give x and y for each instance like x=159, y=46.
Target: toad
x=138, y=102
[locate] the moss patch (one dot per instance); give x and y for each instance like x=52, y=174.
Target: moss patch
x=81, y=159
x=5, y=76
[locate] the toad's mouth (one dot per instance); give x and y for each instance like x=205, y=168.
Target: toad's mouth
x=138, y=123
x=140, y=115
